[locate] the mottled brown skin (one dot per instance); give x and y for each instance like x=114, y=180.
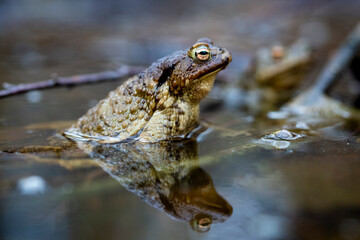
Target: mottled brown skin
x=160, y=103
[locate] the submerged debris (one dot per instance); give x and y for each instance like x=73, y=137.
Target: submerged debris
x=280, y=139
x=283, y=135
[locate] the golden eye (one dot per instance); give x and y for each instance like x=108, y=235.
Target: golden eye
x=200, y=52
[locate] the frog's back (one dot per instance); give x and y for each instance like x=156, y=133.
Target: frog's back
x=121, y=115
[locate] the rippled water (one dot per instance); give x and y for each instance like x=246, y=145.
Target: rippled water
x=246, y=177
x=307, y=187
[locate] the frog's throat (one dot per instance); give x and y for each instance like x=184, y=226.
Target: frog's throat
x=202, y=86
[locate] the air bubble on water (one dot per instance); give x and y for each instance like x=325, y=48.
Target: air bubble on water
x=34, y=96
x=32, y=185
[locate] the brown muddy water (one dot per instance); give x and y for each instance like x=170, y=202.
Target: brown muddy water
x=240, y=179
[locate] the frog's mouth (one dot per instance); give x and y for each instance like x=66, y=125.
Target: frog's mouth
x=218, y=63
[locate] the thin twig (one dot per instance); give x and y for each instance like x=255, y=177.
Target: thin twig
x=123, y=71
x=331, y=71
x=339, y=61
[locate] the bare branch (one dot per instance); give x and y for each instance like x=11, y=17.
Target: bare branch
x=339, y=61
x=123, y=71
x=334, y=67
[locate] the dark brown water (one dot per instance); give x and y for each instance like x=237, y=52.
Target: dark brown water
x=306, y=188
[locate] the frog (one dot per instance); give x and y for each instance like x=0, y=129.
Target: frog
x=160, y=103
x=269, y=78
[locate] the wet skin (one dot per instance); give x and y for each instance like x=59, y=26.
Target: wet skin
x=160, y=103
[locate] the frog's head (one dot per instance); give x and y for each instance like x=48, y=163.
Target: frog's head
x=191, y=73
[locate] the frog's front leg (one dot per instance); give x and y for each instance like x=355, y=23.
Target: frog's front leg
x=174, y=122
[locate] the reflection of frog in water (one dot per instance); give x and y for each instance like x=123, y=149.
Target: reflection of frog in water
x=166, y=176
x=160, y=103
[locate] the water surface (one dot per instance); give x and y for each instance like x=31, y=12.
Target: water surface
x=306, y=188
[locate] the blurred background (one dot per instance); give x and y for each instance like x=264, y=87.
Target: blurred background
x=41, y=38
x=295, y=196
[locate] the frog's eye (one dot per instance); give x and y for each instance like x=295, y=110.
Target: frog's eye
x=200, y=53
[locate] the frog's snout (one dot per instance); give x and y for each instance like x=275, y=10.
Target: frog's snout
x=229, y=58
x=226, y=55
